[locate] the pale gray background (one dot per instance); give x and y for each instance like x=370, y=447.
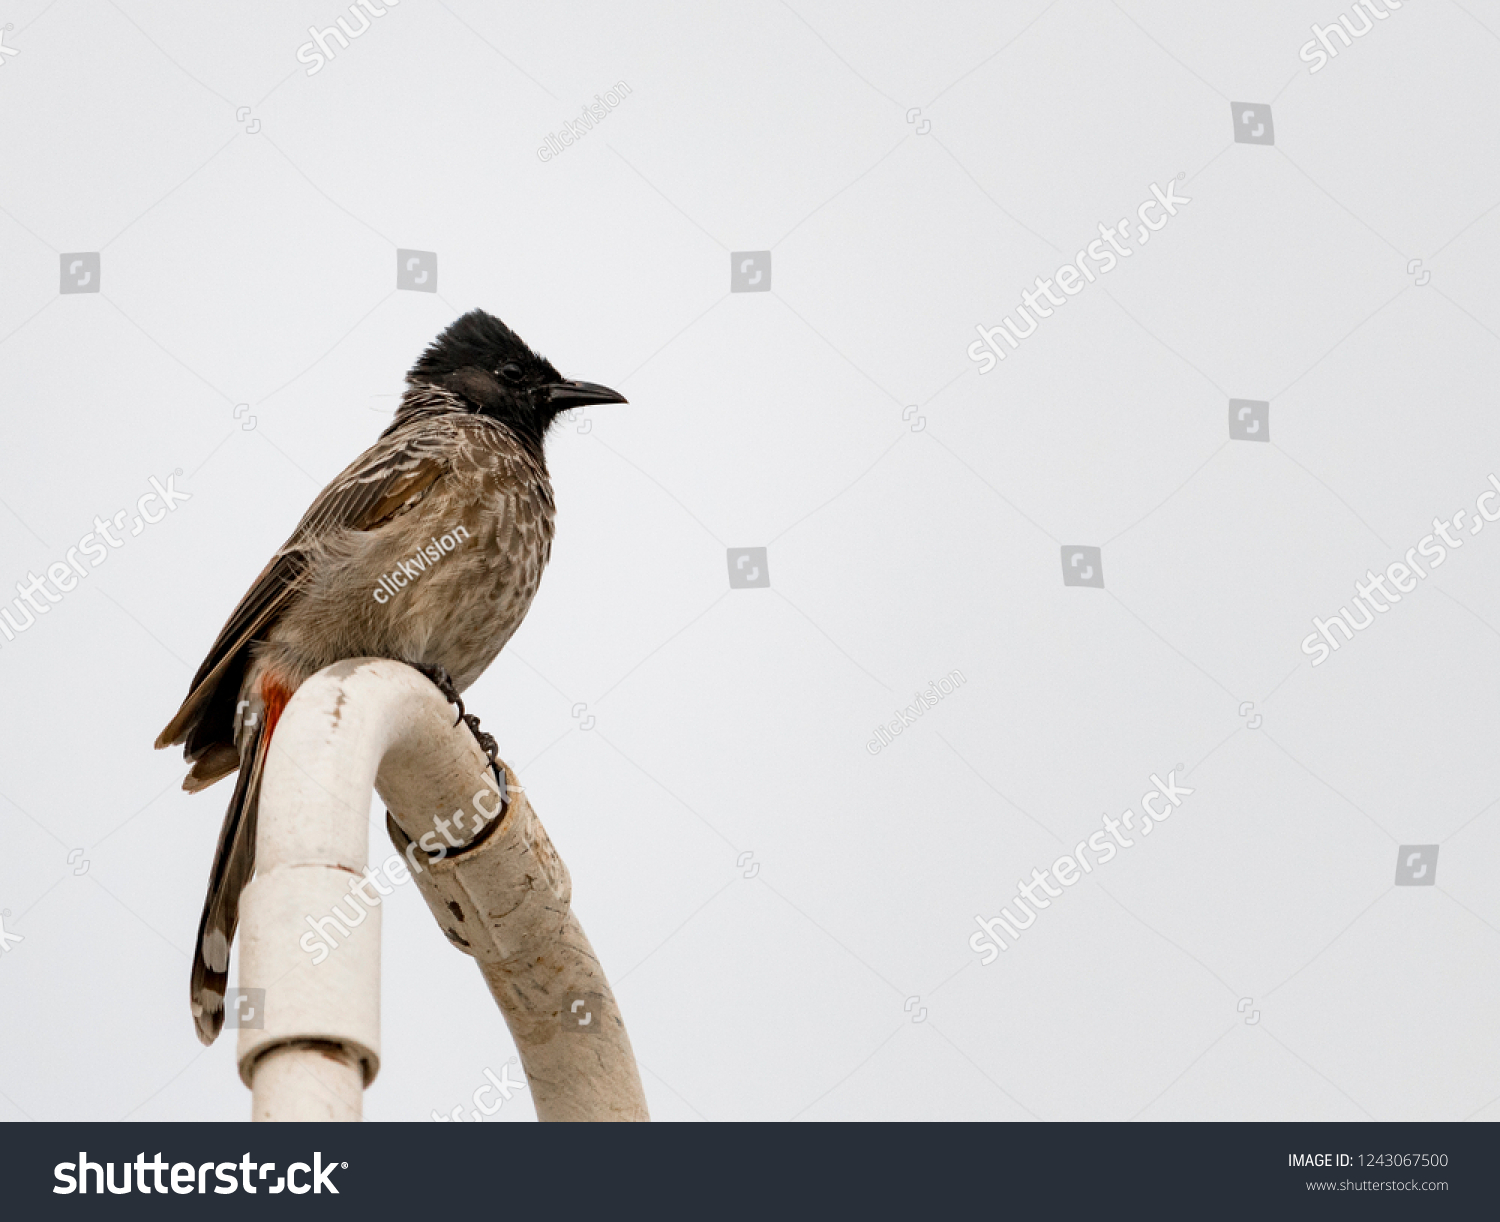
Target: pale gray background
x=259, y=269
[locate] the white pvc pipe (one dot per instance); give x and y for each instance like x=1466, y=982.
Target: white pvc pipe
x=499, y=891
x=294, y=1082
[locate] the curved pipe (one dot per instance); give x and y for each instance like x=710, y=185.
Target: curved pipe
x=494, y=884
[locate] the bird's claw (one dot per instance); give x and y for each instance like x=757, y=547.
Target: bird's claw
x=491, y=750
x=443, y=681
x=485, y=740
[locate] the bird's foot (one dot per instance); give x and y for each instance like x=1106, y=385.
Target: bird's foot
x=486, y=741
x=487, y=744
x=443, y=681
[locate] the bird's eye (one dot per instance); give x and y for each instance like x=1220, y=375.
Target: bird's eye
x=511, y=372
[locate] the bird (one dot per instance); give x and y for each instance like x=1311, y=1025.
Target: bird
x=462, y=460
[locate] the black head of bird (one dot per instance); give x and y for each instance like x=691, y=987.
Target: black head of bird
x=491, y=368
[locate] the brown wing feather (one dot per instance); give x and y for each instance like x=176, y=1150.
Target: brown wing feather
x=382, y=483
x=271, y=591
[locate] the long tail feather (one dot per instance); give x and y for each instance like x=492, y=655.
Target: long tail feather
x=234, y=863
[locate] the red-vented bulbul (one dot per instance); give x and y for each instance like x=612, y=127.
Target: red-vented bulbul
x=462, y=459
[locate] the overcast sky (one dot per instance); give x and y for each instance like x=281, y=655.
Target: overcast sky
x=782, y=242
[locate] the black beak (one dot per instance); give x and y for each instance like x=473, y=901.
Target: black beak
x=565, y=395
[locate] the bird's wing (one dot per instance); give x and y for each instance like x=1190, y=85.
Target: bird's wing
x=381, y=484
